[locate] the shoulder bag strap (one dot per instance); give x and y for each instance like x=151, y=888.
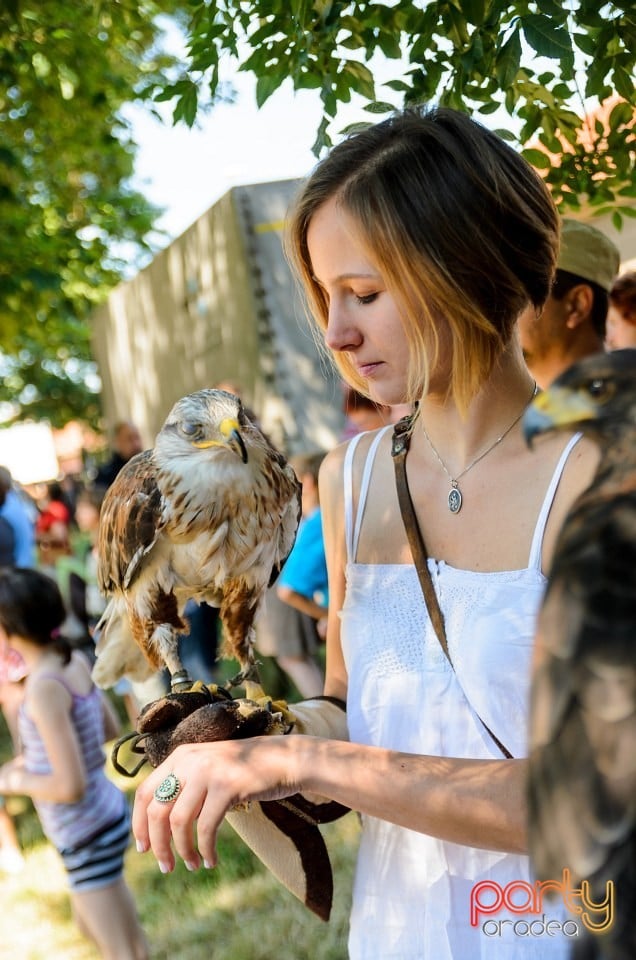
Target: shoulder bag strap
x=399, y=449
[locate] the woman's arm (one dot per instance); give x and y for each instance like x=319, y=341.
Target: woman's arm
x=479, y=803
x=49, y=706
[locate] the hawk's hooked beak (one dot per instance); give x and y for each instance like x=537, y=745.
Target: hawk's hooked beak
x=233, y=439
x=230, y=430
x=557, y=408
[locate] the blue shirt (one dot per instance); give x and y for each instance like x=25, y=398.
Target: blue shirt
x=305, y=570
x=16, y=513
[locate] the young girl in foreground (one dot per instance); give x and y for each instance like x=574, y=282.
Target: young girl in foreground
x=419, y=241
x=61, y=766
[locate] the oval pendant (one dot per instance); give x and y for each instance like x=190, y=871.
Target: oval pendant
x=454, y=500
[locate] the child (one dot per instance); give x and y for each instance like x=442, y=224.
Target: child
x=61, y=767
x=11, y=674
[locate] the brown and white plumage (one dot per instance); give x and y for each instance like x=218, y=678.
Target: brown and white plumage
x=210, y=514
x=582, y=763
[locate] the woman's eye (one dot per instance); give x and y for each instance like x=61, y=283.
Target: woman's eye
x=367, y=298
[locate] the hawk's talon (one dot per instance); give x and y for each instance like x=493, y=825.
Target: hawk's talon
x=248, y=675
x=211, y=690
x=281, y=707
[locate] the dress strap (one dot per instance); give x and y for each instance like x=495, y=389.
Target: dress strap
x=536, y=547
x=352, y=533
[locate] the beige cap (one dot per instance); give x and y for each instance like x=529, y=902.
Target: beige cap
x=588, y=253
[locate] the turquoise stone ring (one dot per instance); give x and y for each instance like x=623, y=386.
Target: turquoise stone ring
x=168, y=789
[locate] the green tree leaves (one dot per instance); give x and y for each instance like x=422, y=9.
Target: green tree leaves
x=66, y=206
x=66, y=153
x=543, y=62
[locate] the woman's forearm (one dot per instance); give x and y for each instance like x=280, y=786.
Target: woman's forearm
x=478, y=803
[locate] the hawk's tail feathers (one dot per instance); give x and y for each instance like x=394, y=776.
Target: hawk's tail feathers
x=117, y=653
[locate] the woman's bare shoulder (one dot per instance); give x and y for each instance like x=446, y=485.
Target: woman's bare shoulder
x=578, y=473
x=332, y=466
x=579, y=470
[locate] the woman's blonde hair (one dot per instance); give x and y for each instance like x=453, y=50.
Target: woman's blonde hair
x=458, y=224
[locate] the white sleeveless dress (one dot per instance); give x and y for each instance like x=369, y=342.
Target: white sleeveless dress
x=412, y=892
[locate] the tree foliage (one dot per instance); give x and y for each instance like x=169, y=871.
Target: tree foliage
x=66, y=152
x=542, y=61
x=66, y=205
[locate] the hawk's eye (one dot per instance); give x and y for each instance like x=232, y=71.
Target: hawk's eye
x=599, y=389
x=190, y=429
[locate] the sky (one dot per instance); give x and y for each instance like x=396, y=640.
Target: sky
x=186, y=170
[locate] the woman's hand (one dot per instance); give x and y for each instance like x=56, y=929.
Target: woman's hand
x=213, y=778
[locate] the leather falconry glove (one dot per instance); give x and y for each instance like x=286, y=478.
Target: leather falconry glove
x=283, y=834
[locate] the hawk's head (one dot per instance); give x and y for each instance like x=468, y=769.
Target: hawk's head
x=597, y=396
x=205, y=420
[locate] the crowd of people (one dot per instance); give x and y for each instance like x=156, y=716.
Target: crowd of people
x=448, y=289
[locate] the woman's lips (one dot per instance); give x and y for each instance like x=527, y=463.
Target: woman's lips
x=368, y=369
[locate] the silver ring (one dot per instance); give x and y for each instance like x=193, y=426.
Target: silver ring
x=168, y=789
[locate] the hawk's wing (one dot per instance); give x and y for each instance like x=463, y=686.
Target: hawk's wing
x=582, y=765
x=582, y=758
x=130, y=520
x=291, y=515
x=583, y=717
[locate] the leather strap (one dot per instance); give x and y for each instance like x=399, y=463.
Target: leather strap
x=399, y=449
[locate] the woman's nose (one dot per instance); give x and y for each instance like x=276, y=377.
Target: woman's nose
x=341, y=333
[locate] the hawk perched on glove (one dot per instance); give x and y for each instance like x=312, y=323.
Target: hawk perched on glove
x=209, y=514
x=582, y=766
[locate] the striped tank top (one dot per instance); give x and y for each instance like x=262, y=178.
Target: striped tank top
x=69, y=824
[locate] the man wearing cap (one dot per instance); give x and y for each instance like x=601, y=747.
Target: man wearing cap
x=572, y=323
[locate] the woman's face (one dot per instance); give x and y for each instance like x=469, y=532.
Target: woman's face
x=620, y=333
x=363, y=318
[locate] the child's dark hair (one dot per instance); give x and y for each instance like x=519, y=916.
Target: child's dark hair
x=31, y=606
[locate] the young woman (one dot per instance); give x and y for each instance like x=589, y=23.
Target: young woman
x=61, y=767
x=419, y=241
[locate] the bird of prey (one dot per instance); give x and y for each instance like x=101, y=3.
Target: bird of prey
x=582, y=758
x=210, y=514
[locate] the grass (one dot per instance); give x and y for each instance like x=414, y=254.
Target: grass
x=236, y=911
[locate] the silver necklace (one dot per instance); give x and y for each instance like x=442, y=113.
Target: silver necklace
x=455, y=498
